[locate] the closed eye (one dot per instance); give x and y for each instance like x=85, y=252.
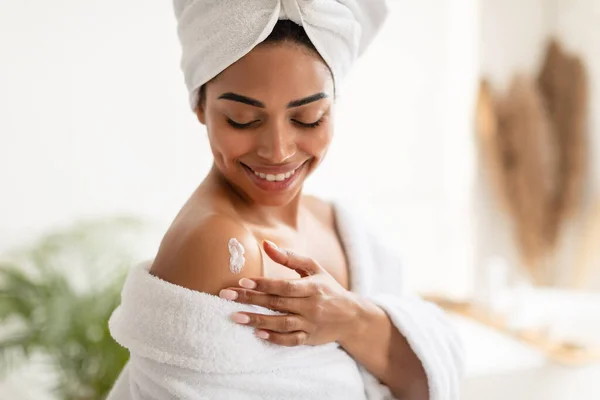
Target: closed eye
x=308, y=125
x=238, y=125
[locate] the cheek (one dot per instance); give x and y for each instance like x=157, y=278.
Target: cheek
x=317, y=143
x=228, y=144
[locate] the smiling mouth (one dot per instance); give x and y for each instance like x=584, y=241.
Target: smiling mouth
x=281, y=177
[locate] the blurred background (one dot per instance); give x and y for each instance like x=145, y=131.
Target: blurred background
x=471, y=128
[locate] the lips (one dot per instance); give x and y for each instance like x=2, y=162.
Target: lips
x=274, y=178
x=275, y=169
x=280, y=177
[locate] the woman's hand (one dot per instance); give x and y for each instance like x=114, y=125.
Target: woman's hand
x=318, y=309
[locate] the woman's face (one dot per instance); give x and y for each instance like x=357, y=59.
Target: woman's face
x=269, y=121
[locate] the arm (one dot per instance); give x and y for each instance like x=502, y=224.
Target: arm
x=420, y=343
x=382, y=350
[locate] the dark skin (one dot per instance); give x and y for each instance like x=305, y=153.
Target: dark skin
x=273, y=109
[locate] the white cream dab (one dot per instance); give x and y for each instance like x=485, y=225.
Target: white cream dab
x=236, y=259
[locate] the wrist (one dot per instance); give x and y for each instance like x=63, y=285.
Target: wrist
x=366, y=315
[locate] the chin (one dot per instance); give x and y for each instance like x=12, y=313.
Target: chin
x=279, y=200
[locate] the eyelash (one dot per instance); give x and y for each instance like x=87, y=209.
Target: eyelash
x=237, y=125
x=310, y=125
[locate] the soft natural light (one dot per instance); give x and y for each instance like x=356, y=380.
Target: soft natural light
x=95, y=123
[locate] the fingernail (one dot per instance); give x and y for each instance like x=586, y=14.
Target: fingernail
x=240, y=318
x=228, y=294
x=274, y=246
x=262, y=334
x=247, y=283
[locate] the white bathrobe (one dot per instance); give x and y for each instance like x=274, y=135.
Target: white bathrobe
x=184, y=345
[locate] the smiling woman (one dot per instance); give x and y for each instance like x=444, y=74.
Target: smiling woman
x=268, y=115
x=258, y=114
x=308, y=322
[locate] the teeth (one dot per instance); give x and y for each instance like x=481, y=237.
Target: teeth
x=277, y=178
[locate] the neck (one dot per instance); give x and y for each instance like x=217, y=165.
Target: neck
x=287, y=214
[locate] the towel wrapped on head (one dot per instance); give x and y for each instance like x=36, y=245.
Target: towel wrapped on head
x=216, y=33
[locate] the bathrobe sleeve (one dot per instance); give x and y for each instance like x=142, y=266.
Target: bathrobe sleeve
x=424, y=325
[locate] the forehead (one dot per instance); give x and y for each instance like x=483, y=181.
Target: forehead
x=274, y=73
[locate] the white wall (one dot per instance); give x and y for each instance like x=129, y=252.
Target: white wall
x=95, y=121
x=94, y=114
x=512, y=37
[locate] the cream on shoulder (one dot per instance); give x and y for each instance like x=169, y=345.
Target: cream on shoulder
x=236, y=256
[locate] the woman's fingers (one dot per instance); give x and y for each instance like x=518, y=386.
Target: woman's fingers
x=276, y=323
x=273, y=302
x=305, y=266
x=281, y=287
x=284, y=339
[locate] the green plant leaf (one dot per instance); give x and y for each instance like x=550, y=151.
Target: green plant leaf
x=57, y=296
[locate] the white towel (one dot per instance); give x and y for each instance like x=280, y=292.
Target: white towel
x=216, y=33
x=376, y=273
x=184, y=346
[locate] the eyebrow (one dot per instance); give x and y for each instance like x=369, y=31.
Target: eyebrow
x=256, y=103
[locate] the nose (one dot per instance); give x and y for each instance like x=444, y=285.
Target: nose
x=277, y=144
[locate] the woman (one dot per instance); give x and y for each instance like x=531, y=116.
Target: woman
x=224, y=312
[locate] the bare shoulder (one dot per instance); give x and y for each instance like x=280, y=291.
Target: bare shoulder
x=196, y=255
x=321, y=209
